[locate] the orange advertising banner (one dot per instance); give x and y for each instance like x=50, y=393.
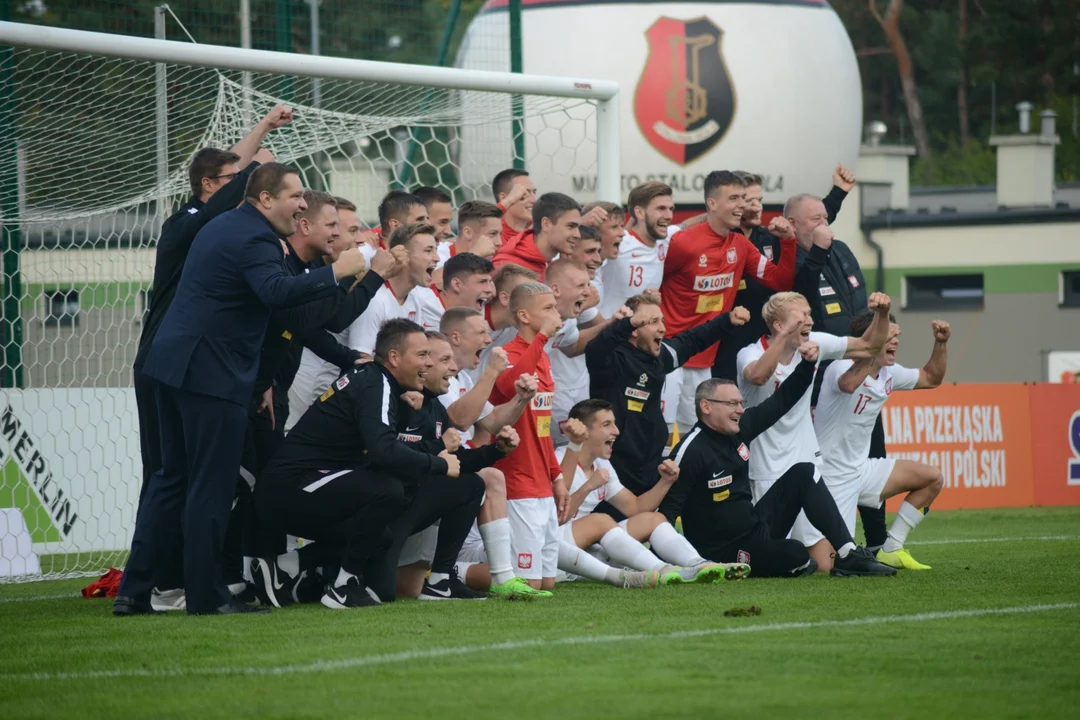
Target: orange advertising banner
x=980, y=436
x=1055, y=443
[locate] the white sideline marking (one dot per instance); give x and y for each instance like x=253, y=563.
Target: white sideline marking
x=33, y=598
x=959, y=541
x=439, y=653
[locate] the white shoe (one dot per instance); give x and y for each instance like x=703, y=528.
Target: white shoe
x=166, y=600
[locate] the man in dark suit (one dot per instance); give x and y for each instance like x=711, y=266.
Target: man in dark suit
x=218, y=178
x=204, y=358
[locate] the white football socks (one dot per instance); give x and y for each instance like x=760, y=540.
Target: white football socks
x=906, y=519
x=343, y=577
x=496, y=536
x=844, y=549
x=576, y=561
x=669, y=545
x=625, y=550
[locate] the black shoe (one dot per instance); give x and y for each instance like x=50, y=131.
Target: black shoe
x=124, y=606
x=809, y=568
x=450, y=588
x=352, y=594
x=237, y=607
x=272, y=585
x=859, y=562
x=308, y=588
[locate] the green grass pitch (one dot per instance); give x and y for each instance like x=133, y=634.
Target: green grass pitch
x=993, y=631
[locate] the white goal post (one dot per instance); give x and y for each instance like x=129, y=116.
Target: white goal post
x=96, y=133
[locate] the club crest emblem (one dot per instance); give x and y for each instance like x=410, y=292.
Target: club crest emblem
x=684, y=102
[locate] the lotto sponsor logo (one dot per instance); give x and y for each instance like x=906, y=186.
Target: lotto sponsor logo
x=719, y=482
x=712, y=283
x=409, y=437
x=524, y=561
x=543, y=402
x=637, y=394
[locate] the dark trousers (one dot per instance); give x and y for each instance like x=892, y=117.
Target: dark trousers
x=873, y=518
x=246, y=534
x=766, y=547
x=192, y=493
x=454, y=502
x=346, y=512
x=170, y=575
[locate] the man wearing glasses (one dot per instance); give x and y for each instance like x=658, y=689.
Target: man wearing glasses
x=714, y=497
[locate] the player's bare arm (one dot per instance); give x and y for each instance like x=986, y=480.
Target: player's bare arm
x=597, y=479
x=466, y=410
x=932, y=373
x=279, y=116
x=576, y=432
x=854, y=376
x=759, y=371
x=629, y=504
x=875, y=337
x=508, y=413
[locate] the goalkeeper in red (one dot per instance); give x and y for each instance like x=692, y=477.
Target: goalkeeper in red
x=704, y=267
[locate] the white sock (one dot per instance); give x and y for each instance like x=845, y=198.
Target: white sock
x=462, y=569
x=237, y=588
x=844, y=549
x=343, y=577
x=625, y=550
x=435, y=578
x=576, y=561
x=290, y=563
x=669, y=545
x=496, y=536
x=906, y=519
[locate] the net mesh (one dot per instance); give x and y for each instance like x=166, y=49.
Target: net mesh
x=91, y=195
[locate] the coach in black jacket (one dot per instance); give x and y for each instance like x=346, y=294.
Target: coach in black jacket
x=204, y=358
x=713, y=493
x=628, y=363
x=342, y=476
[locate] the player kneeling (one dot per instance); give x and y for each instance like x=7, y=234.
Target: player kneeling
x=853, y=394
x=592, y=431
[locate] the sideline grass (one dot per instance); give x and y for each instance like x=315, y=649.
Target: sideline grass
x=1000, y=665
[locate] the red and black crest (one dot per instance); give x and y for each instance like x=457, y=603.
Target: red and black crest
x=684, y=102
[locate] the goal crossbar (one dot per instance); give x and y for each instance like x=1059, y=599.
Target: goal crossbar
x=604, y=92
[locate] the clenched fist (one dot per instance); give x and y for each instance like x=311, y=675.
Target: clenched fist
x=739, y=316
x=499, y=361
x=942, y=331
x=781, y=228
x=597, y=480
x=809, y=351
x=880, y=303
x=622, y=313
x=279, y=116
x=576, y=431
x=451, y=440
x=551, y=326
x=517, y=193
x=507, y=439
x=413, y=399
x=669, y=472
x=453, y=465
x=595, y=217
x=526, y=386
x=843, y=178
x=822, y=236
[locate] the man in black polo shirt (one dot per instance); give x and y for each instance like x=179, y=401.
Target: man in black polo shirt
x=218, y=179
x=342, y=476
x=628, y=362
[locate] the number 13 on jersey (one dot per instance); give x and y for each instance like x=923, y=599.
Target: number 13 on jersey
x=637, y=275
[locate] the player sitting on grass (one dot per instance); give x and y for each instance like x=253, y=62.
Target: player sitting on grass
x=852, y=396
x=592, y=431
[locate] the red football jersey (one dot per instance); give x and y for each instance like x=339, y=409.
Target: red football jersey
x=702, y=273
x=532, y=466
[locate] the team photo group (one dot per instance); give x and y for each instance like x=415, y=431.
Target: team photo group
x=485, y=401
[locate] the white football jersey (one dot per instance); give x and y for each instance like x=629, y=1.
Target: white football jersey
x=431, y=307
x=459, y=386
x=384, y=306
x=844, y=422
x=791, y=440
x=609, y=490
x=446, y=251
x=312, y=379
x=637, y=267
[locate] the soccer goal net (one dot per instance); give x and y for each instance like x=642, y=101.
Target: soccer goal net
x=96, y=133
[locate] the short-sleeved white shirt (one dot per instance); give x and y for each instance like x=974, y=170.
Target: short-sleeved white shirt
x=791, y=440
x=609, y=490
x=383, y=306
x=431, y=307
x=459, y=386
x=637, y=267
x=844, y=422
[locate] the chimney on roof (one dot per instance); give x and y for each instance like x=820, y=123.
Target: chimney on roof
x=886, y=165
x=1025, y=162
